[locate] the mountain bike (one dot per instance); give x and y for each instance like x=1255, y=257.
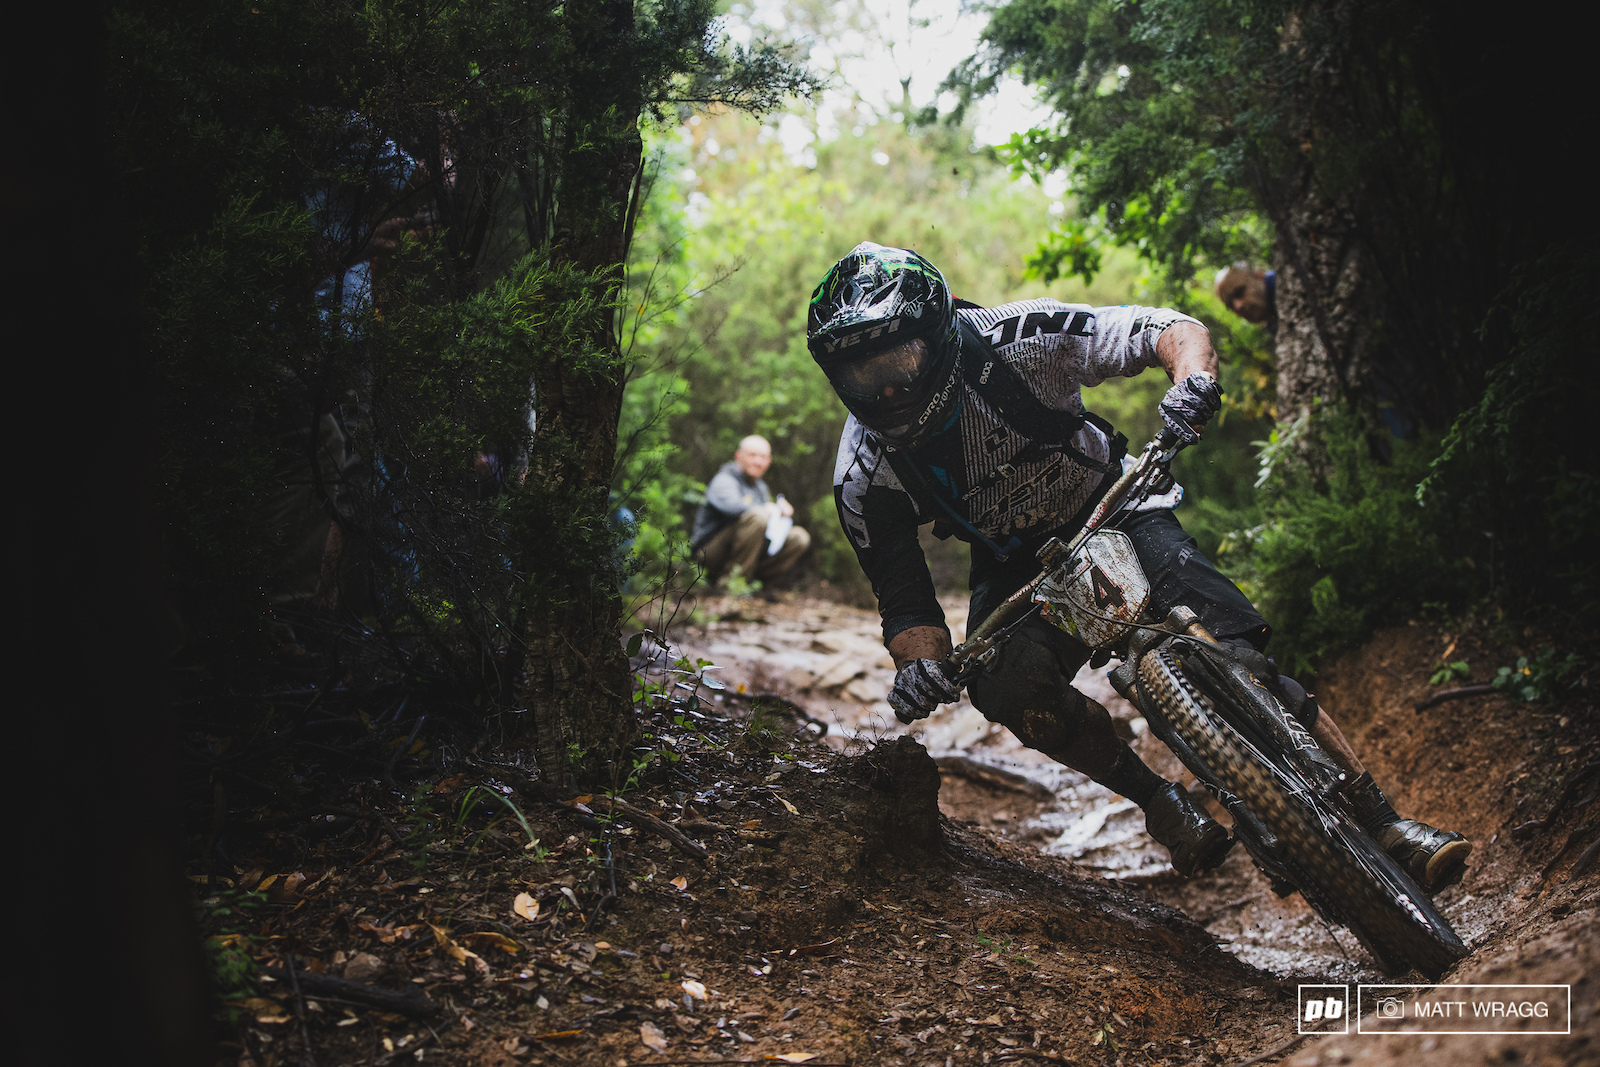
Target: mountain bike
x=1283, y=791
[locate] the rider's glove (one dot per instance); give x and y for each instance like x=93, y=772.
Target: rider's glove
x=1190, y=404
x=919, y=688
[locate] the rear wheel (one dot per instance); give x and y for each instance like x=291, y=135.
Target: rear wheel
x=1371, y=895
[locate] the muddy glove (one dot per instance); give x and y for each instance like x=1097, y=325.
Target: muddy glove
x=919, y=688
x=1190, y=404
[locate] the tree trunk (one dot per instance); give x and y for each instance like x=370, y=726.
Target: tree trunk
x=1323, y=326
x=577, y=689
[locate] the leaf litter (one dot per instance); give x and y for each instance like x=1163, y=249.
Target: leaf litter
x=876, y=929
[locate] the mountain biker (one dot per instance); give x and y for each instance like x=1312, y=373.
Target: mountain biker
x=972, y=418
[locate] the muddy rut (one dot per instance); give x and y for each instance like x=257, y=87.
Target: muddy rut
x=1519, y=779
x=788, y=876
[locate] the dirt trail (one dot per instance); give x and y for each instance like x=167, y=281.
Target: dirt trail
x=1485, y=765
x=793, y=880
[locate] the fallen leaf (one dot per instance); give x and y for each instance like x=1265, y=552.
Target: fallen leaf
x=260, y=1006
x=652, y=1036
x=820, y=949
x=681, y=882
x=603, y=946
x=455, y=951
x=266, y=883
x=526, y=906
x=697, y=990
x=200, y=879
x=792, y=1057
x=494, y=939
x=753, y=824
x=790, y=807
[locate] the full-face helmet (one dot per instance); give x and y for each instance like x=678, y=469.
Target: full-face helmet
x=882, y=326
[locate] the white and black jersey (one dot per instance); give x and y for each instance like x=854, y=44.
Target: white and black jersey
x=981, y=467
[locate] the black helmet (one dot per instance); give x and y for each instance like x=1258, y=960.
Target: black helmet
x=882, y=326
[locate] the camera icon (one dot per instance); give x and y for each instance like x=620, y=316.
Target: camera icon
x=1390, y=1008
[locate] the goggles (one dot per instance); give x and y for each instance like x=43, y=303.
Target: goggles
x=885, y=383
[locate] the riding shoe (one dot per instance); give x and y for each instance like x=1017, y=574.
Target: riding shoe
x=1195, y=841
x=1435, y=858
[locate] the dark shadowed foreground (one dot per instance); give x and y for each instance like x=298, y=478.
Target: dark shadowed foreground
x=764, y=891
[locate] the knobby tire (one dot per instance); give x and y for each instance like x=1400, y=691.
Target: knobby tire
x=1398, y=939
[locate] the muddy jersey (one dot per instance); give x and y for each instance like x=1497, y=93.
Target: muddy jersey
x=978, y=465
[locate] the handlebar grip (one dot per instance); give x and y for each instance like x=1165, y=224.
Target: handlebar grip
x=1166, y=438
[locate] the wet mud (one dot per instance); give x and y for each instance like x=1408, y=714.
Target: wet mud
x=797, y=878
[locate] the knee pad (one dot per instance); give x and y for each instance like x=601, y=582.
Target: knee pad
x=1028, y=693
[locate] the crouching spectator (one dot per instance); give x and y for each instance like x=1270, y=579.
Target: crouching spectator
x=731, y=527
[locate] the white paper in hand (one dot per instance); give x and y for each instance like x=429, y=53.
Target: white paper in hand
x=778, y=527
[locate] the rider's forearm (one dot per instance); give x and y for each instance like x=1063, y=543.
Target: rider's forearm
x=1184, y=349
x=919, y=642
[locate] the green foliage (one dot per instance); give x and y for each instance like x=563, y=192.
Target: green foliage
x=748, y=232
x=372, y=215
x=1450, y=672
x=1539, y=678
x=1158, y=122
x=1520, y=463
x=1193, y=131
x=226, y=917
x=1334, y=558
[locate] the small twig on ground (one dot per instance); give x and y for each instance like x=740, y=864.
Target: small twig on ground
x=306, y=1056
x=994, y=777
x=681, y=841
x=1586, y=858
x=1276, y=1051
x=393, y=830
x=411, y=1001
x=1568, y=789
x=539, y=791
x=1577, y=835
x=1453, y=694
x=400, y=750
x=411, y=1051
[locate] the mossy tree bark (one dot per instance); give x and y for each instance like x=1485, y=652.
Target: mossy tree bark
x=576, y=683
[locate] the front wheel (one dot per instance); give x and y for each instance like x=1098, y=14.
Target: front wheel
x=1334, y=862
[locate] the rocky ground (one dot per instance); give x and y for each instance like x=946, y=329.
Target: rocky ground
x=790, y=879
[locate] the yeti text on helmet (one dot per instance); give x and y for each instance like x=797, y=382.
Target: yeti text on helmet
x=882, y=327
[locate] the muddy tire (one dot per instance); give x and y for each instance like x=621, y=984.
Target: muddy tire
x=1397, y=923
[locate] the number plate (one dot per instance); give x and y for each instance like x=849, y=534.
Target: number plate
x=1099, y=594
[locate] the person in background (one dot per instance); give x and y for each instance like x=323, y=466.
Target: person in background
x=1249, y=293
x=731, y=527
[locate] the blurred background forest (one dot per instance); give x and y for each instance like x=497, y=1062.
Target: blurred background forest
x=478, y=281
x=1155, y=143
